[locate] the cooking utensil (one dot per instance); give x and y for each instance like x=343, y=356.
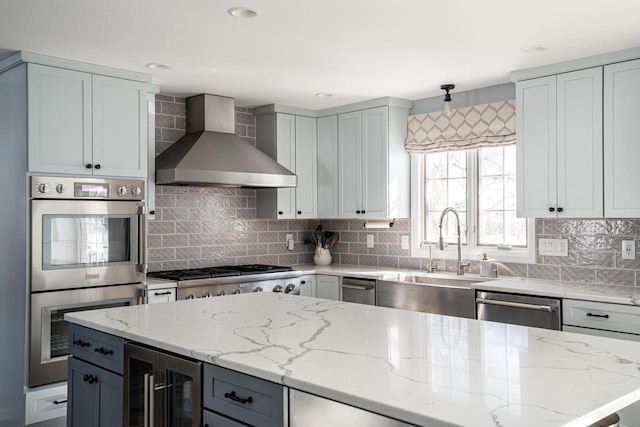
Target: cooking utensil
x=318, y=234
x=333, y=241
x=327, y=235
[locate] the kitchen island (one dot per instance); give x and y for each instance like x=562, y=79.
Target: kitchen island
x=423, y=369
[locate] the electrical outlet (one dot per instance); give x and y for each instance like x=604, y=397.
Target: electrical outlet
x=369, y=240
x=287, y=238
x=405, y=242
x=628, y=249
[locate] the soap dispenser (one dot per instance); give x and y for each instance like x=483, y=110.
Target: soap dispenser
x=485, y=266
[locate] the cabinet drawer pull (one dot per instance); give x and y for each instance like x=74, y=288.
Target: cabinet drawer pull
x=81, y=343
x=90, y=379
x=604, y=316
x=104, y=351
x=235, y=398
x=163, y=293
x=59, y=402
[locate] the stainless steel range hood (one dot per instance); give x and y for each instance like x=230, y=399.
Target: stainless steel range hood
x=211, y=154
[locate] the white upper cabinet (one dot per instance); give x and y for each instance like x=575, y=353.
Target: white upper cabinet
x=559, y=145
x=306, y=149
x=291, y=141
x=328, y=167
x=59, y=111
x=374, y=166
x=80, y=123
x=119, y=127
x=622, y=139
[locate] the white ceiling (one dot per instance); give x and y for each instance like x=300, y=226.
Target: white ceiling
x=354, y=49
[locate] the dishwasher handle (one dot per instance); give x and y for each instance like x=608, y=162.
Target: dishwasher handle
x=358, y=287
x=545, y=308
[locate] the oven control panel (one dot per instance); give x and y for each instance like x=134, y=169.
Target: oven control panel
x=70, y=188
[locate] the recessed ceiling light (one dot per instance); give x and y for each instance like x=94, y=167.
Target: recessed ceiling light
x=243, y=12
x=156, y=66
x=324, y=95
x=534, y=48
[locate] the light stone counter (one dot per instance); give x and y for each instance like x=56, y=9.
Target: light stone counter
x=581, y=291
x=425, y=369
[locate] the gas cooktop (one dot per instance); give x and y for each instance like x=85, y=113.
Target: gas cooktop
x=214, y=272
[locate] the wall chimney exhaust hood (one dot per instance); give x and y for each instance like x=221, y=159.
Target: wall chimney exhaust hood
x=211, y=154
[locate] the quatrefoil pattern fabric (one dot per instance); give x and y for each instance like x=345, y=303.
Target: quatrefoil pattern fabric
x=484, y=125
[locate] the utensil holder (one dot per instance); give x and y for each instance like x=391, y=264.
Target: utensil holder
x=322, y=256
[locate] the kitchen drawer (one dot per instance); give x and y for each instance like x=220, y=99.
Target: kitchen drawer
x=600, y=315
x=97, y=347
x=244, y=398
x=211, y=419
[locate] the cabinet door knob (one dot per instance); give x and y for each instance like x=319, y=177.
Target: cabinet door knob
x=97, y=166
x=358, y=212
x=88, y=166
x=152, y=212
x=303, y=282
x=299, y=212
x=280, y=212
x=364, y=212
x=560, y=209
x=552, y=209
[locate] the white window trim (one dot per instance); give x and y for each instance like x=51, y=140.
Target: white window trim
x=518, y=255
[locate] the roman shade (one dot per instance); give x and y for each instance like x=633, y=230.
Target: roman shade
x=483, y=125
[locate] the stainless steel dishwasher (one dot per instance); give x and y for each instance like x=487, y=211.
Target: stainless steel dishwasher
x=526, y=310
x=362, y=291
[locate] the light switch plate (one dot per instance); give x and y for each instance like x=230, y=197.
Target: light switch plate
x=369, y=240
x=553, y=247
x=405, y=242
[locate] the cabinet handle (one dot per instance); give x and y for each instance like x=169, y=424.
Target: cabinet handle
x=235, y=398
x=102, y=350
x=97, y=166
x=163, y=293
x=59, y=402
x=81, y=343
x=88, y=166
x=152, y=212
x=302, y=282
x=90, y=379
x=299, y=212
x=604, y=316
x=358, y=212
x=560, y=209
x=364, y=212
x=552, y=209
x=280, y=212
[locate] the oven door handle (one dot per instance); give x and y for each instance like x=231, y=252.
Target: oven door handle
x=142, y=238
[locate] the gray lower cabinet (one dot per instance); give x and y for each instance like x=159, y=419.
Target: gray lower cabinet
x=232, y=399
x=95, y=396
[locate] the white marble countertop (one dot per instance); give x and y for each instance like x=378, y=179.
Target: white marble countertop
x=421, y=368
x=582, y=291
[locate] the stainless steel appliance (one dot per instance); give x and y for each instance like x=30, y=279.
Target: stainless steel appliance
x=161, y=390
x=231, y=280
x=87, y=253
x=362, y=291
x=526, y=310
x=86, y=232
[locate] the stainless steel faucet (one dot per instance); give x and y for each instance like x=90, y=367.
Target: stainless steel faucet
x=461, y=264
x=432, y=265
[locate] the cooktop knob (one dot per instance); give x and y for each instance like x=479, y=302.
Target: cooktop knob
x=189, y=296
x=60, y=188
x=206, y=295
x=258, y=289
x=237, y=291
x=290, y=287
x=135, y=190
x=222, y=293
x=277, y=288
x=121, y=190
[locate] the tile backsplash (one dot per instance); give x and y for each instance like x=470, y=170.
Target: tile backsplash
x=207, y=226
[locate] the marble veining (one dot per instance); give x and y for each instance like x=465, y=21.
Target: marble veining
x=420, y=368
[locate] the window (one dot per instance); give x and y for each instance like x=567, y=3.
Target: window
x=481, y=185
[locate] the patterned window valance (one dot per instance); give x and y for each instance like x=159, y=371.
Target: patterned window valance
x=484, y=125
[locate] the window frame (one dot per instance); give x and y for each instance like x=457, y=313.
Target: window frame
x=470, y=251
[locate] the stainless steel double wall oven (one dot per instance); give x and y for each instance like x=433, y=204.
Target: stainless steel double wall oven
x=87, y=253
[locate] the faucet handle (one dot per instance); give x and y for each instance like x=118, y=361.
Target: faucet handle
x=433, y=266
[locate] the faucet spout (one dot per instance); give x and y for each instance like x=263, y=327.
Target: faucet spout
x=461, y=264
